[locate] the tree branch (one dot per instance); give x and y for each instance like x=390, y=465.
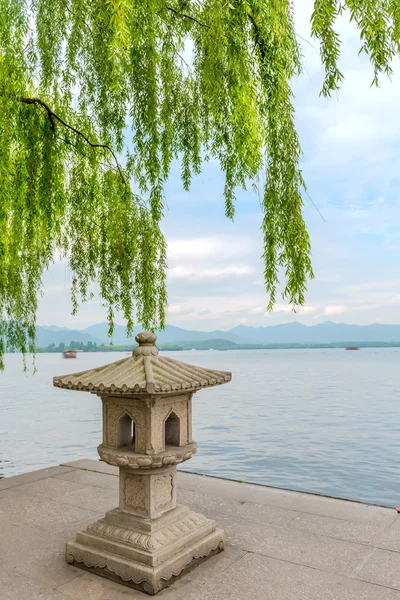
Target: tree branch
x=258, y=41
x=256, y=33
x=185, y=16
x=69, y=143
x=53, y=116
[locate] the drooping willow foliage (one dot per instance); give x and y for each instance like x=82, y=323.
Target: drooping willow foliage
x=96, y=100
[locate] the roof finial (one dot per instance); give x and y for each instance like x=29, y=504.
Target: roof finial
x=146, y=341
x=146, y=338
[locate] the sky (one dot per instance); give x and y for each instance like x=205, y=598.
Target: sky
x=351, y=162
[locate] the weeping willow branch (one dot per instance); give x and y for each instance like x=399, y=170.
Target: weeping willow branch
x=185, y=16
x=234, y=105
x=257, y=37
x=53, y=116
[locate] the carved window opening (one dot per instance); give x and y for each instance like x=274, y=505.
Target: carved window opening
x=172, y=430
x=126, y=432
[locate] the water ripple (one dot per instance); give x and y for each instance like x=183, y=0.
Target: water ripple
x=318, y=421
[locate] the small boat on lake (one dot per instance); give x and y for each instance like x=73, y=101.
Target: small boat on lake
x=70, y=353
x=352, y=348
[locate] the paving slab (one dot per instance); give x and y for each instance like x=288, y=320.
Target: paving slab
x=382, y=568
x=92, y=587
x=396, y=523
x=280, y=545
x=89, y=497
x=330, y=507
x=49, y=489
x=211, y=506
x=388, y=540
x=319, y=552
x=211, y=485
x=361, y=533
x=17, y=587
x=91, y=478
x=47, y=514
x=350, y=531
x=98, y=466
x=257, y=577
x=10, y=482
x=33, y=555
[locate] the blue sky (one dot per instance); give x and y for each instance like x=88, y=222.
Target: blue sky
x=351, y=162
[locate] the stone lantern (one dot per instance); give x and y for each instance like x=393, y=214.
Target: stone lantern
x=149, y=540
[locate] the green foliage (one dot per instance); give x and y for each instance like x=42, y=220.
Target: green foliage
x=77, y=75
x=379, y=25
x=88, y=347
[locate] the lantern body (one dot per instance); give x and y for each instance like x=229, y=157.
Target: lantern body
x=149, y=540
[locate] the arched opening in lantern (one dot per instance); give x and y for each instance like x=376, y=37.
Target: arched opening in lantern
x=172, y=435
x=126, y=432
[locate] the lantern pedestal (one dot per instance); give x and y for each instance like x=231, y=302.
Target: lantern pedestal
x=148, y=541
x=145, y=554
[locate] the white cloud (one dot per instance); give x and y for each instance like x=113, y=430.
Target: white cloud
x=306, y=310
x=194, y=273
x=174, y=309
x=210, y=248
x=335, y=310
x=302, y=310
x=258, y=310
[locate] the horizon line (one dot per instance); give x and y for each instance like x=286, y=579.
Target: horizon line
x=231, y=328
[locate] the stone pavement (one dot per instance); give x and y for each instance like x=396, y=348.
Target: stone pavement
x=280, y=545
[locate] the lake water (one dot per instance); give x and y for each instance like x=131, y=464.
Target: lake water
x=324, y=421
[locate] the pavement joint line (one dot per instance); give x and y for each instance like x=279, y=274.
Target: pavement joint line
x=386, y=587
x=333, y=537
x=222, y=512
x=100, y=487
x=298, y=564
x=362, y=564
x=283, y=489
x=296, y=516
x=41, y=582
x=395, y=520
x=321, y=535
x=33, y=481
x=69, y=581
x=232, y=564
x=388, y=550
x=90, y=470
x=308, y=512
x=383, y=529
x=323, y=571
x=59, y=501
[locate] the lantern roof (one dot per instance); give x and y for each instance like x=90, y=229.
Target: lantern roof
x=145, y=372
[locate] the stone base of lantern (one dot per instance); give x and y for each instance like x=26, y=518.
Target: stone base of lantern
x=146, y=554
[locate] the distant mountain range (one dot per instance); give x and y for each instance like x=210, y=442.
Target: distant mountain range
x=287, y=333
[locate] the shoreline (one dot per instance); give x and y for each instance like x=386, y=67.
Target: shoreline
x=230, y=346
